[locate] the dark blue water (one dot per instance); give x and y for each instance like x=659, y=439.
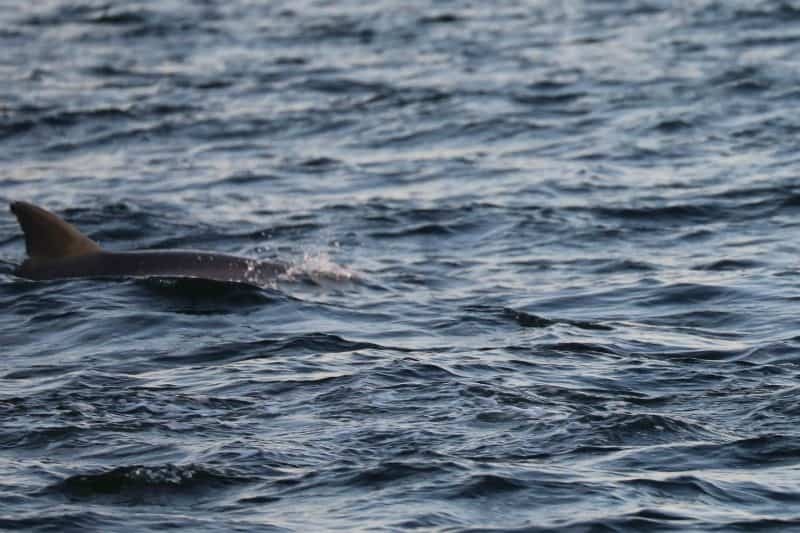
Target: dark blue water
x=544, y=266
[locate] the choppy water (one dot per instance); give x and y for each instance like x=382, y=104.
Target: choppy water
x=545, y=266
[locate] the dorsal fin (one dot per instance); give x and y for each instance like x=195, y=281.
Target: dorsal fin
x=49, y=237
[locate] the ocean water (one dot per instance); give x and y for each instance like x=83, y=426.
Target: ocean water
x=544, y=266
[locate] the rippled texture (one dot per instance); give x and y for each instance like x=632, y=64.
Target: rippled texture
x=544, y=266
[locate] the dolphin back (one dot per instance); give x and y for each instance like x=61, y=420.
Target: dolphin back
x=57, y=250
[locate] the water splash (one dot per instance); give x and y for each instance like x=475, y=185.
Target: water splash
x=319, y=267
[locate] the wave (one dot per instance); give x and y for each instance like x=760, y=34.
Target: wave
x=146, y=482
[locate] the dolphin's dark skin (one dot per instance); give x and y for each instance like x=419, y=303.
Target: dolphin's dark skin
x=58, y=250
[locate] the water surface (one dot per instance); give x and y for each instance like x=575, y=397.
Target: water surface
x=544, y=266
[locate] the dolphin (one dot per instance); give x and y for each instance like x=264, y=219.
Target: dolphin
x=57, y=250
